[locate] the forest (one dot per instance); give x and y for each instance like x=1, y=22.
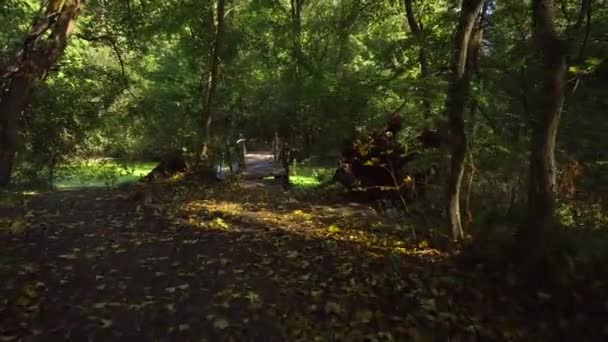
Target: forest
x=303, y=170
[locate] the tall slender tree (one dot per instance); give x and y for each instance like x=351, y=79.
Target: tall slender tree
x=297, y=54
x=474, y=50
x=541, y=187
x=456, y=104
x=212, y=78
x=417, y=29
x=40, y=50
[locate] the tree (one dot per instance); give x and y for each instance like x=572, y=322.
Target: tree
x=456, y=104
x=542, y=177
x=297, y=55
x=416, y=27
x=212, y=78
x=19, y=77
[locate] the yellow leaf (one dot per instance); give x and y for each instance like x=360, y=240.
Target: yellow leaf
x=333, y=229
x=362, y=150
x=18, y=226
x=253, y=297
x=423, y=244
x=401, y=250
x=220, y=223
x=573, y=69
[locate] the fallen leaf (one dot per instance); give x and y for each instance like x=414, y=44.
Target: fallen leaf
x=253, y=297
x=221, y=324
x=333, y=229
x=101, y=305
x=292, y=255
x=364, y=316
x=68, y=256
x=333, y=307
x=18, y=226
x=105, y=323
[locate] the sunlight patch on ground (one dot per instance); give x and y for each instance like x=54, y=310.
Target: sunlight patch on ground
x=309, y=176
x=318, y=223
x=303, y=181
x=215, y=206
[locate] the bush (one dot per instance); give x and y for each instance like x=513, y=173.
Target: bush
x=322, y=174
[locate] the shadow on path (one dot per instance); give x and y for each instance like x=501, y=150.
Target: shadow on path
x=232, y=264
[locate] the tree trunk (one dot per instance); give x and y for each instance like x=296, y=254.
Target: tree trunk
x=13, y=102
x=541, y=187
x=296, y=21
x=417, y=30
x=458, y=95
x=214, y=64
x=20, y=75
x=473, y=68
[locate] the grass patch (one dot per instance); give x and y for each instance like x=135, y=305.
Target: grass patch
x=309, y=176
x=304, y=181
x=98, y=173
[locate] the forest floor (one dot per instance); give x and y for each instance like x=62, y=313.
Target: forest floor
x=230, y=262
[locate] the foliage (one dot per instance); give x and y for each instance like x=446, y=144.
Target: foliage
x=130, y=87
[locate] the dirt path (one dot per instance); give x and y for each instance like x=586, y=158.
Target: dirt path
x=229, y=263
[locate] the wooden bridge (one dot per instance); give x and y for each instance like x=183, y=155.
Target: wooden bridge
x=260, y=164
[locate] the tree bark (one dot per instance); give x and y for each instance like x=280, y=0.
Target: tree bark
x=20, y=76
x=417, y=30
x=456, y=103
x=297, y=54
x=212, y=76
x=541, y=187
x=473, y=68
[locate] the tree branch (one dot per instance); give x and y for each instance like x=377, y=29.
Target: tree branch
x=581, y=52
x=111, y=41
x=564, y=10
